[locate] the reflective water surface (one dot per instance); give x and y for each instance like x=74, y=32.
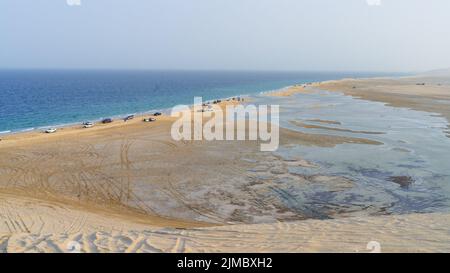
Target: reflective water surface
x=410, y=172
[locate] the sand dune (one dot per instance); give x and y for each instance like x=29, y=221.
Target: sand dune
x=56, y=229
x=32, y=224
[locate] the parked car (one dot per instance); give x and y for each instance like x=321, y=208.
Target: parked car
x=157, y=114
x=50, y=130
x=127, y=118
x=107, y=120
x=87, y=124
x=149, y=119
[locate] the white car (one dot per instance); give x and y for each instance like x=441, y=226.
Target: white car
x=88, y=124
x=149, y=119
x=50, y=130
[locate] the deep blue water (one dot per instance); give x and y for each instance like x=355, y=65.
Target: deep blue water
x=38, y=98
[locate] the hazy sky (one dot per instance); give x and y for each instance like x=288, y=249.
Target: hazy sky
x=398, y=35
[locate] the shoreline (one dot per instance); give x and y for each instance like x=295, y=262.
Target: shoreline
x=97, y=121
x=404, y=92
x=272, y=92
x=118, y=121
x=377, y=89
x=282, y=91
x=120, y=178
x=109, y=165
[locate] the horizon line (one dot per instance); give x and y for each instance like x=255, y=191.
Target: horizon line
x=213, y=70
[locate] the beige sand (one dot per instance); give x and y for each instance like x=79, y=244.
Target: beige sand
x=33, y=225
x=400, y=92
x=313, y=126
x=137, y=167
x=428, y=92
x=290, y=91
x=127, y=186
x=407, y=92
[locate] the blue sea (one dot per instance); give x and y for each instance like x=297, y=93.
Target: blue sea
x=32, y=99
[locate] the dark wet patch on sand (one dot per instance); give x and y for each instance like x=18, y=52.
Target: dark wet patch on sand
x=296, y=162
x=324, y=121
x=403, y=181
x=290, y=137
x=401, y=150
x=371, y=172
x=312, y=126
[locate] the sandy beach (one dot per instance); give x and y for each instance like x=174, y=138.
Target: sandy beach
x=54, y=228
x=424, y=93
x=128, y=187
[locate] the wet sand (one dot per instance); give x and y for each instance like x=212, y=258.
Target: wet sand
x=406, y=92
x=423, y=93
x=136, y=167
x=427, y=92
x=126, y=180
x=312, y=126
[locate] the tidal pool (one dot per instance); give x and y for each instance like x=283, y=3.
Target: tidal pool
x=410, y=172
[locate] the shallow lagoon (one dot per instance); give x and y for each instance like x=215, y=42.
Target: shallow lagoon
x=410, y=172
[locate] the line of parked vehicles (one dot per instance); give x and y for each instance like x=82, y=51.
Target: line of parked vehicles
x=89, y=124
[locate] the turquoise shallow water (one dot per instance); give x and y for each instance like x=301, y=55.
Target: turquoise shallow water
x=415, y=151
x=36, y=98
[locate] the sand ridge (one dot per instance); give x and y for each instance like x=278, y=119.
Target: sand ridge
x=401, y=233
